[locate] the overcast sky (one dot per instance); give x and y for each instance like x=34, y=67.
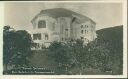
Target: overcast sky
x=19, y=14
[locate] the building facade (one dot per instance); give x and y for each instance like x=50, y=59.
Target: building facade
x=60, y=24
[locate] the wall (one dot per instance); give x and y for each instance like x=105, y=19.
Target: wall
x=64, y=24
x=63, y=29
x=48, y=30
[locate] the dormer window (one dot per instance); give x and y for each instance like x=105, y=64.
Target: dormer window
x=42, y=24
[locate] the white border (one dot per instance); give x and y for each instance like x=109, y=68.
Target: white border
x=125, y=53
x=1, y=35
x=124, y=2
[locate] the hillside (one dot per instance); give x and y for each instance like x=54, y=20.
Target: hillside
x=112, y=33
x=112, y=39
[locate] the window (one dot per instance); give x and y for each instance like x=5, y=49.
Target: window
x=46, y=36
x=86, y=26
x=66, y=29
x=81, y=26
x=82, y=31
x=41, y=24
x=37, y=36
x=86, y=31
x=62, y=39
x=86, y=40
x=74, y=18
x=82, y=38
x=66, y=32
x=53, y=26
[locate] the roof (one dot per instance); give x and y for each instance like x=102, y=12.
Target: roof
x=61, y=12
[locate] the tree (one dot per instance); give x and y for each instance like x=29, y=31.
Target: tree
x=16, y=46
x=99, y=55
x=102, y=55
x=59, y=52
x=68, y=55
x=8, y=45
x=113, y=38
x=78, y=54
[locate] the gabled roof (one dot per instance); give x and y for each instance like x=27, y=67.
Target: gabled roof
x=61, y=12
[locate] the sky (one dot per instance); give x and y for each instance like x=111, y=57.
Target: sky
x=19, y=14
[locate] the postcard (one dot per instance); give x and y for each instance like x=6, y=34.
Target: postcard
x=63, y=39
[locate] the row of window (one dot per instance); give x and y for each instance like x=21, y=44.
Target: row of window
x=82, y=38
x=82, y=31
x=82, y=26
x=42, y=24
x=64, y=39
x=38, y=36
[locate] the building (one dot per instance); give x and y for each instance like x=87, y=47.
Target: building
x=60, y=24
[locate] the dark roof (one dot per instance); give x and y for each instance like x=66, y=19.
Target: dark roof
x=61, y=12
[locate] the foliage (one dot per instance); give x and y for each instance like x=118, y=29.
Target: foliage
x=16, y=46
x=103, y=53
x=68, y=54
x=59, y=52
x=113, y=38
x=99, y=55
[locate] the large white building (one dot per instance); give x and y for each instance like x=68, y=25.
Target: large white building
x=60, y=24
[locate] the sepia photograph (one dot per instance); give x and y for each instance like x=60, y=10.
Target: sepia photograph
x=64, y=38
